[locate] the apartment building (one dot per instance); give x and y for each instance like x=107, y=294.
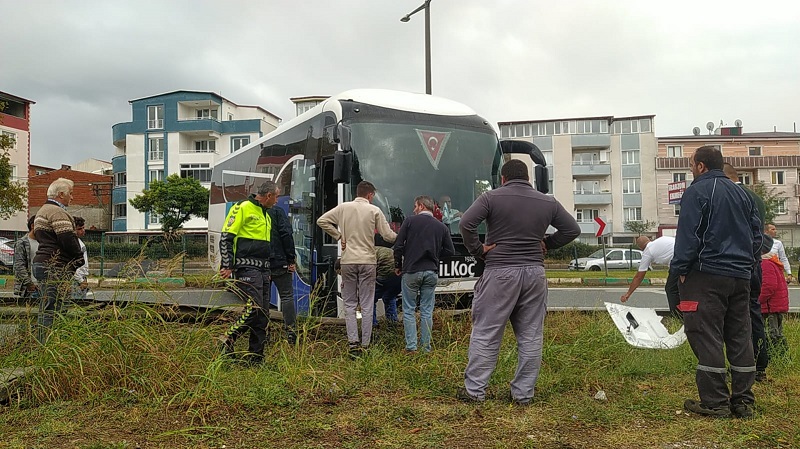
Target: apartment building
x=183, y=132
x=15, y=124
x=769, y=157
x=598, y=167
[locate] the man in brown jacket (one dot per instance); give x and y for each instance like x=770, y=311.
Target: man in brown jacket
x=354, y=223
x=59, y=253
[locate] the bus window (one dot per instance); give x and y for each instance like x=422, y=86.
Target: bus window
x=301, y=213
x=237, y=186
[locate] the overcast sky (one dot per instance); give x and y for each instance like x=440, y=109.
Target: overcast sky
x=687, y=62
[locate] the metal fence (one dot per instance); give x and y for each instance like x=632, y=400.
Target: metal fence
x=113, y=254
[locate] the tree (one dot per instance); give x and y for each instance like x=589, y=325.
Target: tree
x=12, y=193
x=174, y=201
x=772, y=199
x=639, y=227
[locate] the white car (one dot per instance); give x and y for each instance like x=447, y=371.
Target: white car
x=616, y=258
x=6, y=254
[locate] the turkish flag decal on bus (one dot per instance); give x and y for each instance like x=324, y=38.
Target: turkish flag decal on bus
x=434, y=143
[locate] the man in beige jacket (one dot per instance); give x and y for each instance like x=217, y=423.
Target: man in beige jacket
x=354, y=223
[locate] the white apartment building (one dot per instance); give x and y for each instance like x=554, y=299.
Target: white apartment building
x=183, y=132
x=598, y=167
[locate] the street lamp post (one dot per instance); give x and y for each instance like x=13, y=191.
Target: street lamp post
x=427, y=7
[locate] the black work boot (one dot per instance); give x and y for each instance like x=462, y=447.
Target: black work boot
x=690, y=405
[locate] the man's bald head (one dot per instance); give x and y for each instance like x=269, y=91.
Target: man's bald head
x=642, y=242
x=730, y=172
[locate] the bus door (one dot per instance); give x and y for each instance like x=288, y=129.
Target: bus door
x=326, y=249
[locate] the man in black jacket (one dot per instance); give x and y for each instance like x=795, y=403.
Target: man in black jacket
x=757, y=333
x=717, y=242
x=421, y=242
x=282, y=268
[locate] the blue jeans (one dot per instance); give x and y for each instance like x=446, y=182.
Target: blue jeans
x=387, y=289
x=424, y=284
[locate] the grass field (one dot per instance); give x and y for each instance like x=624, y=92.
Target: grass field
x=125, y=380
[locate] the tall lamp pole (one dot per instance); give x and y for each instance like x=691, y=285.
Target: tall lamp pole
x=427, y=7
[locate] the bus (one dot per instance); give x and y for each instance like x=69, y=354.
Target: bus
x=406, y=144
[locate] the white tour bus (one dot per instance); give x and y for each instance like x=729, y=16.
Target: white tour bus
x=405, y=144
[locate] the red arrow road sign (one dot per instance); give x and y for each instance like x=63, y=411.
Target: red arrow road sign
x=601, y=226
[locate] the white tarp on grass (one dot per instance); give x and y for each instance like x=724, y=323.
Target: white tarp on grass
x=642, y=327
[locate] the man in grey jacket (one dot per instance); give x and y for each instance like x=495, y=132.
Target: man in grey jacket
x=513, y=285
x=25, y=284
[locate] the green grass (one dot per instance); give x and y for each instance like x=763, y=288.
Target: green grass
x=127, y=378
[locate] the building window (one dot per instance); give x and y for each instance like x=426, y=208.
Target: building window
x=155, y=117
x=780, y=207
x=120, y=210
x=675, y=151
x=631, y=185
x=630, y=157
x=678, y=177
x=237, y=143
x=206, y=113
x=156, y=149
x=746, y=178
x=586, y=215
x=205, y=146
x=13, y=172
x=200, y=172
x=230, y=116
x=120, y=179
x=754, y=151
x=154, y=219
x=778, y=178
x=677, y=211
x=632, y=213
x=155, y=175
x=11, y=138
x=644, y=125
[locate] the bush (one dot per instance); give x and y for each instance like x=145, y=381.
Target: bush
x=568, y=252
x=153, y=250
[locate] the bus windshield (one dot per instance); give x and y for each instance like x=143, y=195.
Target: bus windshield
x=453, y=165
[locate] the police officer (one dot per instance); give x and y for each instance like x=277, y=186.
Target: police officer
x=245, y=250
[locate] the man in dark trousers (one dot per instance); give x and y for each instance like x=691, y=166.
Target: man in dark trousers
x=58, y=255
x=245, y=249
x=717, y=242
x=758, y=334
x=282, y=267
x=421, y=242
x=513, y=284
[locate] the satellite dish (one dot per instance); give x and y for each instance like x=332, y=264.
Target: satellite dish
x=710, y=126
x=738, y=123
x=696, y=131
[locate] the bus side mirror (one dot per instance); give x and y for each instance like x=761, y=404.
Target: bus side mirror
x=342, y=163
x=542, y=179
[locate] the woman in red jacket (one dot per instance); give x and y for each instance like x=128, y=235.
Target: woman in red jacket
x=774, y=301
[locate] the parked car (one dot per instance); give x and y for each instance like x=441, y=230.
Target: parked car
x=616, y=258
x=6, y=254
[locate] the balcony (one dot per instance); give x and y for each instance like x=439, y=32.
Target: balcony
x=590, y=227
x=591, y=198
x=155, y=124
x=596, y=169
